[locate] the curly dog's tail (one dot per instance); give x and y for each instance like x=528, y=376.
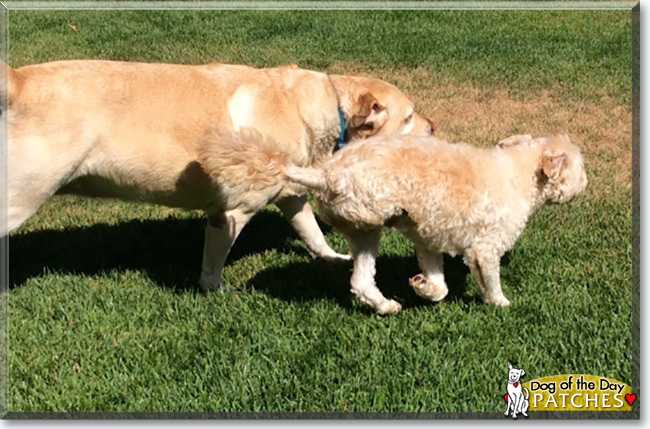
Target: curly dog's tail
x=310, y=177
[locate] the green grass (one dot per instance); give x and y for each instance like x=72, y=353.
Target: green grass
x=104, y=312
x=585, y=54
x=113, y=323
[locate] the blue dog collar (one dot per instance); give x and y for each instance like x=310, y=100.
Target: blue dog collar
x=341, y=143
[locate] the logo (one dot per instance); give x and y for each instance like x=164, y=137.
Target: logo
x=568, y=392
x=517, y=396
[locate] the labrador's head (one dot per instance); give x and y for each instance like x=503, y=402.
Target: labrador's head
x=376, y=108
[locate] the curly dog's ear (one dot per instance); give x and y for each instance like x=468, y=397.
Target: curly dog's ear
x=552, y=163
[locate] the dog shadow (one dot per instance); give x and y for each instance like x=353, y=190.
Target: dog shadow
x=169, y=251
x=321, y=280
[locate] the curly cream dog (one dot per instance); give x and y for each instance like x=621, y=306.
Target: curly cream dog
x=132, y=131
x=445, y=198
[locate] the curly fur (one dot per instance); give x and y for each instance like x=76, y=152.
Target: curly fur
x=446, y=198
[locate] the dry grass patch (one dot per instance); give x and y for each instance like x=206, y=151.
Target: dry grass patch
x=603, y=129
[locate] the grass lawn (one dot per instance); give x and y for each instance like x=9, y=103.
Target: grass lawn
x=104, y=313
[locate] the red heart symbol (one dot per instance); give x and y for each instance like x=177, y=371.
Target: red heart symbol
x=505, y=397
x=630, y=398
x=516, y=384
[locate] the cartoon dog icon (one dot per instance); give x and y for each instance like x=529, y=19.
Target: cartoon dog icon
x=517, y=402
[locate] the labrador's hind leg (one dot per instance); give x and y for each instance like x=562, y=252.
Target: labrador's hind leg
x=33, y=176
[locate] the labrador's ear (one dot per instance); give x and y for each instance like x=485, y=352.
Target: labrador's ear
x=509, y=366
x=368, y=116
x=522, y=373
x=552, y=163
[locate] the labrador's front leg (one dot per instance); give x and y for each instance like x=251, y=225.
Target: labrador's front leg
x=220, y=234
x=298, y=211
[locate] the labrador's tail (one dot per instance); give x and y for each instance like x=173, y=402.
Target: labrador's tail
x=7, y=83
x=247, y=157
x=242, y=158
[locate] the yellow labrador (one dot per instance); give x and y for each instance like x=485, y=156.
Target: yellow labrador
x=131, y=131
